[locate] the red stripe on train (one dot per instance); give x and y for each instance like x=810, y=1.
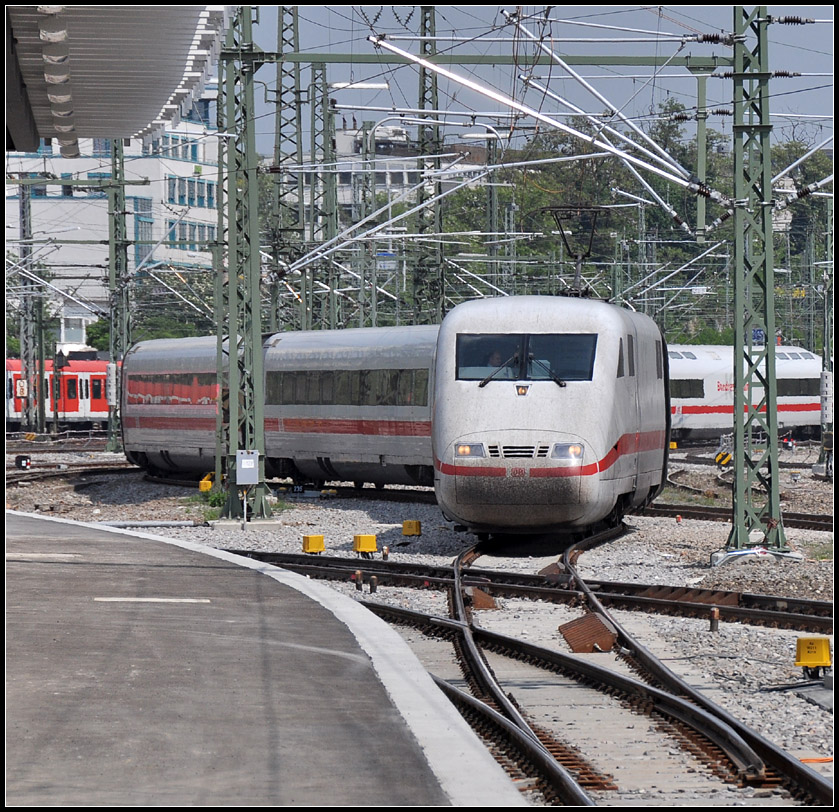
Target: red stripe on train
x=783, y=407
x=627, y=445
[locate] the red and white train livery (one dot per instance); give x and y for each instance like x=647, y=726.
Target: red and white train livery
x=702, y=390
x=81, y=391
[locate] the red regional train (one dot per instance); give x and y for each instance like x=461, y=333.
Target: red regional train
x=81, y=392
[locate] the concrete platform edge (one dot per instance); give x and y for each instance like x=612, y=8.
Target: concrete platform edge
x=467, y=773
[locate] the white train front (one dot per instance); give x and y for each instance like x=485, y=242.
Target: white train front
x=550, y=414
x=568, y=430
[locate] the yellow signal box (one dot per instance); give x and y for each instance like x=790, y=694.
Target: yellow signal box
x=313, y=544
x=364, y=543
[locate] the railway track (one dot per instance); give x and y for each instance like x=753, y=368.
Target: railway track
x=802, y=521
x=492, y=663
x=809, y=616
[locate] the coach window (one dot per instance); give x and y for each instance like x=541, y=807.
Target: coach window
x=687, y=388
x=620, y=358
x=87, y=390
x=420, y=387
x=798, y=387
x=72, y=391
x=630, y=355
x=96, y=386
x=285, y=388
x=387, y=386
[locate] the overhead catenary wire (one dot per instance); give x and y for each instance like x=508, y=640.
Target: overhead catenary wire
x=697, y=188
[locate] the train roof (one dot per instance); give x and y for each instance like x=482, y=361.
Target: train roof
x=720, y=352
x=73, y=365
x=541, y=314
x=173, y=354
x=384, y=343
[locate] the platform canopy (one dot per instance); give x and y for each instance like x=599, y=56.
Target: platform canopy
x=104, y=71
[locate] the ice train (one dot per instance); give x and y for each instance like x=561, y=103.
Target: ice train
x=527, y=414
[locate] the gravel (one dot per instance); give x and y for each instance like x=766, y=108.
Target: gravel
x=738, y=665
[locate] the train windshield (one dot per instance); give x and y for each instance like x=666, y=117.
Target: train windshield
x=522, y=356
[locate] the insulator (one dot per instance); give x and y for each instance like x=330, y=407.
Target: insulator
x=714, y=38
x=793, y=20
x=785, y=74
x=721, y=111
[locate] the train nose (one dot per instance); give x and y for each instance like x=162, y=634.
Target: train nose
x=518, y=471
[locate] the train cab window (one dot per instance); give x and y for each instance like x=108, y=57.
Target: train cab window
x=781, y=356
x=537, y=357
x=674, y=354
x=486, y=354
x=689, y=355
x=794, y=355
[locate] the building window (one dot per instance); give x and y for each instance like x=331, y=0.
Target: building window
x=143, y=226
x=102, y=147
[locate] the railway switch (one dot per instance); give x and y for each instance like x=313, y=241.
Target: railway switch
x=812, y=654
x=411, y=527
x=313, y=544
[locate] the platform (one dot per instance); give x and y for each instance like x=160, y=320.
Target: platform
x=147, y=671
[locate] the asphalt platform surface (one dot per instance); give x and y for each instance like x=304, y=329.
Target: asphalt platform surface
x=147, y=671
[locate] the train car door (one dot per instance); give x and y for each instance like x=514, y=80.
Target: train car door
x=71, y=394
x=98, y=397
x=68, y=395
x=15, y=393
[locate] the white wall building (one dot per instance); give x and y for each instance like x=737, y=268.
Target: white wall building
x=176, y=203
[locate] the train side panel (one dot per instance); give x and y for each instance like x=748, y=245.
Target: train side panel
x=351, y=405
x=170, y=402
x=702, y=389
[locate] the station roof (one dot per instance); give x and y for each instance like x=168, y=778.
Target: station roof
x=104, y=71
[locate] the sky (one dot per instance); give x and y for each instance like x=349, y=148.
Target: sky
x=802, y=104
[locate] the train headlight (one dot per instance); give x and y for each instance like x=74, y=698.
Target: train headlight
x=568, y=452
x=469, y=450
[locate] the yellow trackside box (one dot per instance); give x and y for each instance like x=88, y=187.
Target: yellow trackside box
x=313, y=544
x=411, y=527
x=812, y=652
x=364, y=543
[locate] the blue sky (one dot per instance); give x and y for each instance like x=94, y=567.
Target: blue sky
x=805, y=49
